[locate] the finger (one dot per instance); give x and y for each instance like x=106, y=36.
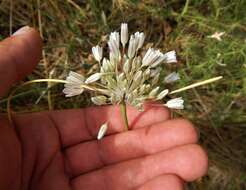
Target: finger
x=52, y=178
x=188, y=162
x=76, y=126
x=10, y=152
x=171, y=182
x=129, y=145
x=18, y=56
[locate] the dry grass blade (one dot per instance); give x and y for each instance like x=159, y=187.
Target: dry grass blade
x=196, y=84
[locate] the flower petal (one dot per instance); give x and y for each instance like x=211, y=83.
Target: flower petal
x=97, y=52
x=102, y=131
x=162, y=94
x=93, y=78
x=99, y=100
x=124, y=34
x=172, y=77
x=176, y=103
x=170, y=57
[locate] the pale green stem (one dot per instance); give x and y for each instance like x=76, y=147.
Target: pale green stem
x=124, y=115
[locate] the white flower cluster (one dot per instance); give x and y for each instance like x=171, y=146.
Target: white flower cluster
x=127, y=74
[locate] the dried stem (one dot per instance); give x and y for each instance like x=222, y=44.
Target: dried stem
x=44, y=56
x=40, y=81
x=196, y=84
x=24, y=84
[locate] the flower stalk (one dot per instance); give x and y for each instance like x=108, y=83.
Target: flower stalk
x=124, y=115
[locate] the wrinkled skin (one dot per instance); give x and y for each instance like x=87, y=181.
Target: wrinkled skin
x=58, y=149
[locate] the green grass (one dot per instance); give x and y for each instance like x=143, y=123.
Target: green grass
x=71, y=28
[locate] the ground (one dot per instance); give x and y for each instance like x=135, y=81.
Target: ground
x=70, y=28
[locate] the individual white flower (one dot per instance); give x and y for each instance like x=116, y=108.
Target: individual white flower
x=113, y=44
x=139, y=36
x=93, y=78
x=154, y=92
x=145, y=60
x=115, y=37
x=126, y=66
x=124, y=34
x=102, y=131
x=113, y=57
x=113, y=49
x=155, y=79
x=137, y=78
x=172, y=77
x=107, y=66
x=73, y=85
x=158, y=60
x=75, y=78
x=170, y=57
x=97, y=52
x=176, y=103
x=146, y=74
x=151, y=57
x=99, y=100
x=144, y=88
x=136, y=64
x=162, y=94
x=71, y=90
x=132, y=47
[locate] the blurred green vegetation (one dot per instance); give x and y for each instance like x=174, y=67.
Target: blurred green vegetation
x=71, y=27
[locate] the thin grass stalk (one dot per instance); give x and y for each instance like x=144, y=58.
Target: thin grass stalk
x=197, y=84
x=44, y=57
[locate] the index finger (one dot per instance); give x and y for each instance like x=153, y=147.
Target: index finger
x=76, y=126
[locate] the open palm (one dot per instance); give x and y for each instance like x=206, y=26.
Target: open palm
x=59, y=150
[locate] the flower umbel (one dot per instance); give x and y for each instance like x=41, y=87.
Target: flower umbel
x=127, y=75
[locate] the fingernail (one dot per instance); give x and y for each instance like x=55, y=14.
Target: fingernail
x=22, y=30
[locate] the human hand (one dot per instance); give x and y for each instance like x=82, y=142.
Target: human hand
x=59, y=150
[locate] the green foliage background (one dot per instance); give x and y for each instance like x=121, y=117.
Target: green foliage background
x=71, y=27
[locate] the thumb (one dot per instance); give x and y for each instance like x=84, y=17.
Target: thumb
x=19, y=54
